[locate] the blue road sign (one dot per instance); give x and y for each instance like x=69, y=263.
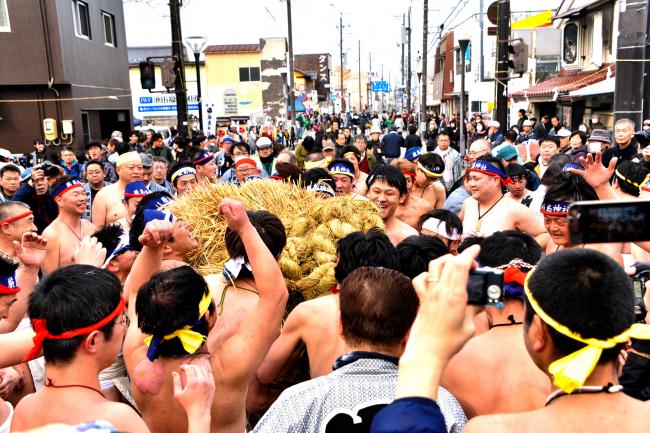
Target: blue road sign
x=380, y=86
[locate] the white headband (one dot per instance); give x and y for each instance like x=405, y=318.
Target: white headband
x=440, y=227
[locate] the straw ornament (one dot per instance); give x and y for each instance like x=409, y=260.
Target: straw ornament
x=313, y=225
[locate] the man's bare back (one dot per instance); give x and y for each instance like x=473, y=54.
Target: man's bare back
x=62, y=243
x=493, y=373
x=580, y=413
x=74, y=405
x=108, y=206
x=411, y=210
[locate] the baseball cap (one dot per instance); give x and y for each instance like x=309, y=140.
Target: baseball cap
x=564, y=133
x=493, y=123
x=6, y=154
x=507, y=152
x=263, y=142
x=527, y=123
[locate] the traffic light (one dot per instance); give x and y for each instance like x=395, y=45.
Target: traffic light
x=147, y=75
x=168, y=73
x=518, y=57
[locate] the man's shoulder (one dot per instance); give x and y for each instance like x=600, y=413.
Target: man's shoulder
x=501, y=423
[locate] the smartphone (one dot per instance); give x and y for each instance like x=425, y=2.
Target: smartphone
x=485, y=287
x=601, y=221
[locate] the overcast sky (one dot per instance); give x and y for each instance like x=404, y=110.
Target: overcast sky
x=376, y=23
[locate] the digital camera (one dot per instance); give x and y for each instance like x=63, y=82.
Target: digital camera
x=485, y=287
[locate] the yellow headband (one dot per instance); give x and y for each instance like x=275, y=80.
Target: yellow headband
x=428, y=172
x=620, y=176
x=573, y=370
x=191, y=340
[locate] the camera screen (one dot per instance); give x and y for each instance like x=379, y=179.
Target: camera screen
x=593, y=222
x=476, y=289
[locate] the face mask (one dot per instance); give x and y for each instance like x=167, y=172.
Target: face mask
x=594, y=146
x=594, y=120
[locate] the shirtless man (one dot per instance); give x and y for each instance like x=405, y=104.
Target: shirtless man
x=206, y=167
x=342, y=170
x=107, y=206
x=133, y=193
x=488, y=210
x=182, y=177
x=427, y=186
x=517, y=186
x=387, y=189
x=555, y=210
x=65, y=233
x=604, y=313
x=493, y=372
x=71, y=393
x=413, y=207
x=234, y=362
x=353, y=155
x=309, y=325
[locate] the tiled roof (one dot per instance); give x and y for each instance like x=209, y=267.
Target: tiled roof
x=565, y=82
x=233, y=48
x=140, y=54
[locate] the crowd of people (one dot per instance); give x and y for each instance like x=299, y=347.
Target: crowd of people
x=105, y=325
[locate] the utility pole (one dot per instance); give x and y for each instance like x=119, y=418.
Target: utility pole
x=463, y=43
x=177, y=53
x=402, y=43
x=408, y=69
x=292, y=104
x=381, y=95
x=360, y=106
x=341, y=53
x=501, y=70
x=632, y=85
x=423, y=103
x=371, y=97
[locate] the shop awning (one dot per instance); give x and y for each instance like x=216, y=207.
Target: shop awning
x=566, y=82
x=543, y=19
x=582, y=7
x=599, y=88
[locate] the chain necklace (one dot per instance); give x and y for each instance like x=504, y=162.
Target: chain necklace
x=478, y=207
x=78, y=236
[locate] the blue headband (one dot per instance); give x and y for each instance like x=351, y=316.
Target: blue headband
x=158, y=203
x=340, y=168
x=65, y=187
x=555, y=208
x=135, y=189
x=204, y=158
x=9, y=284
x=154, y=215
x=321, y=187
x=569, y=166
x=487, y=168
x=413, y=153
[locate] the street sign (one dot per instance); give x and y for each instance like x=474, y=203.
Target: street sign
x=492, y=13
x=380, y=86
x=332, y=97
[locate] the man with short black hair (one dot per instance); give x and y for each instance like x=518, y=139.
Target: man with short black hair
x=95, y=181
x=452, y=159
x=158, y=148
x=94, y=151
x=493, y=373
x=392, y=144
x=577, y=343
x=159, y=175
x=377, y=308
x=65, y=233
x=9, y=182
x=310, y=323
x=387, y=189
x=517, y=187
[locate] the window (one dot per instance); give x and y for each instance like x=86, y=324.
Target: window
x=81, y=19
x=109, y=29
x=4, y=17
x=570, y=39
x=249, y=74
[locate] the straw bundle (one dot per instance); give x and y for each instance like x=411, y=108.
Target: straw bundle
x=313, y=227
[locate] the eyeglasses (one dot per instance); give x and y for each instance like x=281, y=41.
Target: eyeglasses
x=124, y=320
x=245, y=170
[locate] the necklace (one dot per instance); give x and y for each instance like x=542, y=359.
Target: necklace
x=48, y=382
x=512, y=320
x=558, y=247
x=609, y=389
x=78, y=236
x=478, y=207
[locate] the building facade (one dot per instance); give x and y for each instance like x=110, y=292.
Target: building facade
x=64, y=61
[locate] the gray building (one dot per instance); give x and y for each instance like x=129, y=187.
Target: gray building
x=64, y=60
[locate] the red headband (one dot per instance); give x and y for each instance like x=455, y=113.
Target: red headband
x=245, y=161
x=17, y=217
x=40, y=327
x=408, y=173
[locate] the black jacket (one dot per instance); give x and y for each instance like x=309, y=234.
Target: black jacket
x=622, y=154
x=44, y=208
